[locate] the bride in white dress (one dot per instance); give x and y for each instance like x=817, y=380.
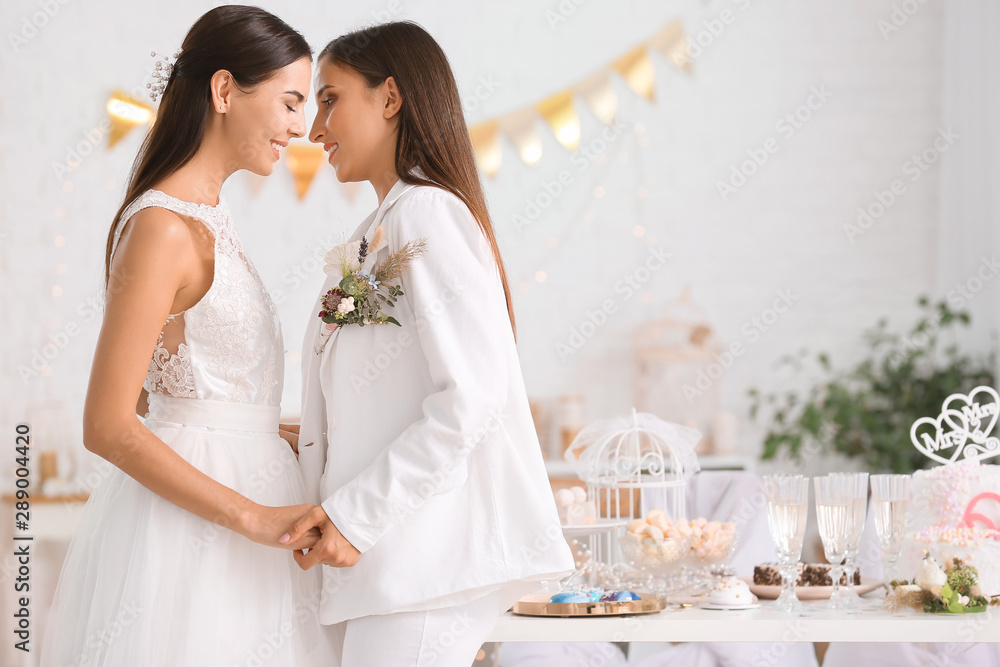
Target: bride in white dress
x=175, y=561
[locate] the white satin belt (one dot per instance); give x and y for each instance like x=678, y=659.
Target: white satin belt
x=214, y=414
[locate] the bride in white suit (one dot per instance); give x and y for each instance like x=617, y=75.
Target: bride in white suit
x=435, y=509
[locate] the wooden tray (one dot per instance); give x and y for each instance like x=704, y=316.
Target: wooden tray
x=539, y=605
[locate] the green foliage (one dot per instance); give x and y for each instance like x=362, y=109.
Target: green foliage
x=962, y=577
x=867, y=411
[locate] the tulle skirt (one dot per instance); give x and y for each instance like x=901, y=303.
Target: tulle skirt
x=146, y=583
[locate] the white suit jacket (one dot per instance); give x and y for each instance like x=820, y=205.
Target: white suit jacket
x=424, y=453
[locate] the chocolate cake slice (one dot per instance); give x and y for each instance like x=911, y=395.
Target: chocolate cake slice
x=809, y=574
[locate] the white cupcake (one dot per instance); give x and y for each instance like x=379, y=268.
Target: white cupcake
x=731, y=591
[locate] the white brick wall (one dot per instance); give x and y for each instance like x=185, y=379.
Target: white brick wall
x=783, y=229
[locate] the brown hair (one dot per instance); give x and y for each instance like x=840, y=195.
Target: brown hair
x=248, y=42
x=432, y=130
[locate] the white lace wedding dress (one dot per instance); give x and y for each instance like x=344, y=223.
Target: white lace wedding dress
x=148, y=584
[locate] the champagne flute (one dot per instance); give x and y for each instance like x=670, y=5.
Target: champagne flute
x=787, y=504
x=833, y=514
x=891, y=504
x=857, y=489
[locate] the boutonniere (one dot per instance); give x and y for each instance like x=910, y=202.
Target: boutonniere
x=361, y=295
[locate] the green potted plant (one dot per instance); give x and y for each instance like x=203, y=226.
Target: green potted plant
x=867, y=411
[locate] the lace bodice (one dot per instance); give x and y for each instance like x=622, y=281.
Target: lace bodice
x=228, y=346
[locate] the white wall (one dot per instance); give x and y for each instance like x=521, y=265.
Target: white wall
x=782, y=230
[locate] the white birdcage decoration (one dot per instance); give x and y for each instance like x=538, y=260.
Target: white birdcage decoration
x=632, y=465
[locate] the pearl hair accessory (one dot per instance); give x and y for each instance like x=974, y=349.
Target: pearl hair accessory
x=161, y=73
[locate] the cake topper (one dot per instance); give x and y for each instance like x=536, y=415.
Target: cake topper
x=962, y=430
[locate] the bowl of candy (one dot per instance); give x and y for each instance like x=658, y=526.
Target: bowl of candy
x=712, y=546
x=657, y=547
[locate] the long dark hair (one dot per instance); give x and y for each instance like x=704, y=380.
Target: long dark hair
x=432, y=130
x=248, y=42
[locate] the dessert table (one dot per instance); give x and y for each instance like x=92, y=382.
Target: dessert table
x=693, y=624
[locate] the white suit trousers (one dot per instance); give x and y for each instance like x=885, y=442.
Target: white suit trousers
x=448, y=637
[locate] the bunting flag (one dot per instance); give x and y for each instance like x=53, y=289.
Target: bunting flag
x=303, y=161
x=520, y=127
x=486, y=143
x=597, y=91
x=673, y=44
x=126, y=113
x=599, y=94
x=558, y=111
x=637, y=70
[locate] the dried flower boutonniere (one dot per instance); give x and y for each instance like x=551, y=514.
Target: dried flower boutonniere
x=361, y=295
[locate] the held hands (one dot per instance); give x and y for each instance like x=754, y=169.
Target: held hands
x=332, y=548
x=265, y=525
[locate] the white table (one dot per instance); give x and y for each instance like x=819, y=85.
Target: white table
x=565, y=469
x=759, y=625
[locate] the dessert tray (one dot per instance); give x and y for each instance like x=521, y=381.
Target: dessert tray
x=539, y=605
x=809, y=592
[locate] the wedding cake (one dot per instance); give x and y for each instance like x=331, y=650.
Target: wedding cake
x=955, y=511
x=955, y=508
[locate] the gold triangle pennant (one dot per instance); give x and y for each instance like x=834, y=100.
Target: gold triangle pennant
x=126, y=112
x=598, y=91
x=520, y=128
x=637, y=70
x=673, y=43
x=559, y=112
x=486, y=143
x=303, y=161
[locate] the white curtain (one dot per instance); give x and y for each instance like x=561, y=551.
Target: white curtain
x=969, y=229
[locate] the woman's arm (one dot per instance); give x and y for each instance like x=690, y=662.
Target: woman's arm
x=152, y=264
